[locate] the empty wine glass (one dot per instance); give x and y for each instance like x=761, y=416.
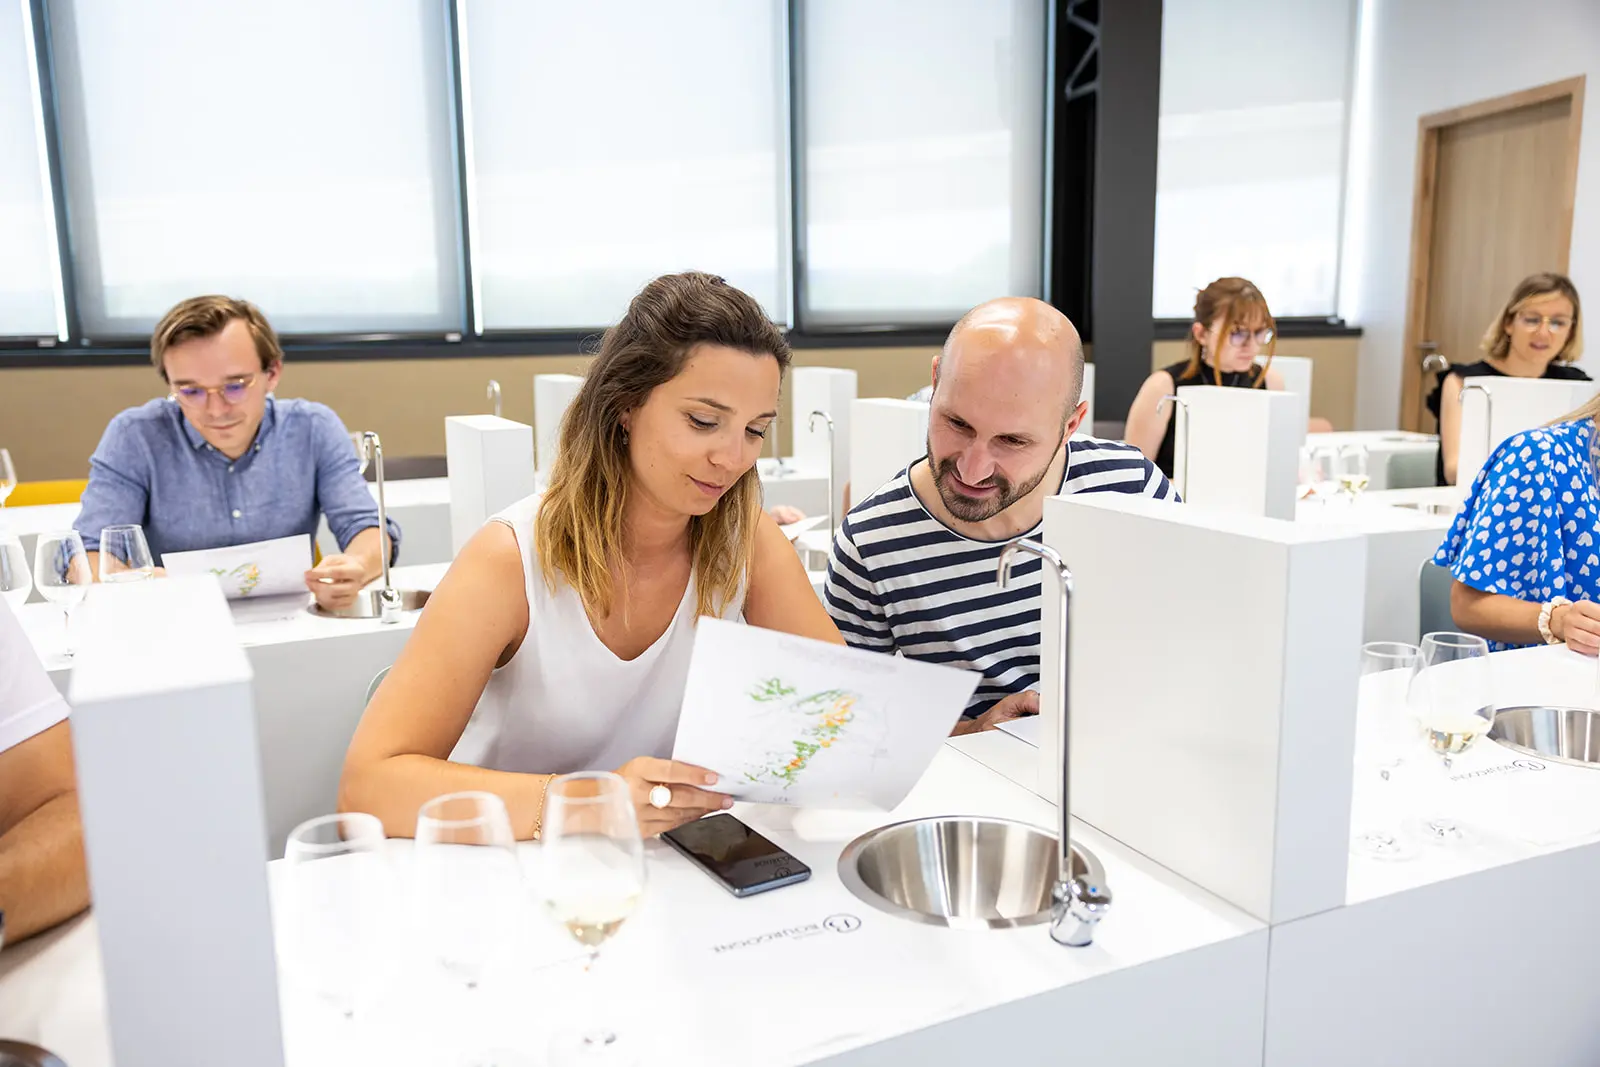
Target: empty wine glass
x=16, y=578
x=1386, y=671
x=469, y=892
x=338, y=913
x=1316, y=473
x=359, y=441
x=1454, y=697
x=1352, y=470
x=125, y=554
x=8, y=476
x=61, y=574
x=591, y=879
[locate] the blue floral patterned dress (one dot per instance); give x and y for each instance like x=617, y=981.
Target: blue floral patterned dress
x=1532, y=520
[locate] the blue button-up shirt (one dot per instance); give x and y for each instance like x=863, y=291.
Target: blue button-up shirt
x=154, y=469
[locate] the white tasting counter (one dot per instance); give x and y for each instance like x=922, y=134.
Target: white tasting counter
x=802, y=974
x=311, y=677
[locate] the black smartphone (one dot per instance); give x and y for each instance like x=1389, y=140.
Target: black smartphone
x=735, y=855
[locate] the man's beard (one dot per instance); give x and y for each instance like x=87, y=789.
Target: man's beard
x=968, y=509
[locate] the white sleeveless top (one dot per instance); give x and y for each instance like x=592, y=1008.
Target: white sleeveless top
x=565, y=702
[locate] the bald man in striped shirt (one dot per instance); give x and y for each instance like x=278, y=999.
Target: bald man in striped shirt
x=912, y=568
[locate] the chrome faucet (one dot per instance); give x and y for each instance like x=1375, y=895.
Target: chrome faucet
x=1076, y=905
x=833, y=503
x=493, y=394
x=388, y=597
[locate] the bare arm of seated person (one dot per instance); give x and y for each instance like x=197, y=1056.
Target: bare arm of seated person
x=475, y=620
x=1450, y=424
x=1012, y=706
x=1147, y=425
x=1503, y=618
x=43, y=880
x=339, y=577
x=779, y=596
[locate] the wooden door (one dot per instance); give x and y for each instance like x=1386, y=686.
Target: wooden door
x=1495, y=187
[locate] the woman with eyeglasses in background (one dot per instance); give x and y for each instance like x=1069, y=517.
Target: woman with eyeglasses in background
x=1232, y=328
x=1538, y=334
x=219, y=461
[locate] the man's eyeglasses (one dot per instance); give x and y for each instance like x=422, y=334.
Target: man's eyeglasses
x=1531, y=322
x=1238, y=338
x=232, y=391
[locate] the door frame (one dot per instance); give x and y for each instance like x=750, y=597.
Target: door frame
x=1429, y=128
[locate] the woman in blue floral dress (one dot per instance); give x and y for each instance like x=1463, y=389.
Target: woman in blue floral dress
x=1525, y=552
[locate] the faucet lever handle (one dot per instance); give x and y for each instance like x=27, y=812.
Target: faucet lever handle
x=1076, y=908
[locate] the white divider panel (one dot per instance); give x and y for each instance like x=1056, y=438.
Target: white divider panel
x=491, y=467
x=169, y=781
x=1242, y=449
x=1295, y=372
x=1214, y=667
x=831, y=390
x=1399, y=541
x=552, y=395
x=1519, y=404
x=885, y=435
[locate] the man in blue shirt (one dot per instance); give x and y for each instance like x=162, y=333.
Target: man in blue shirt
x=220, y=461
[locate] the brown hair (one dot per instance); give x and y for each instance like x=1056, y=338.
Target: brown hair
x=1235, y=300
x=1496, y=342
x=207, y=316
x=579, y=529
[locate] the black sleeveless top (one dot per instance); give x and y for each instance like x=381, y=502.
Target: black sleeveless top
x=1205, y=375
x=1484, y=369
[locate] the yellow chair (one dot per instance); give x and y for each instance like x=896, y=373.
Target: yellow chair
x=32, y=494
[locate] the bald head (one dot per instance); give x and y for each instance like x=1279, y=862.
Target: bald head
x=1020, y=339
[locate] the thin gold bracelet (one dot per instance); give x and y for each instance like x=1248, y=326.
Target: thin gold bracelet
x=538, y=827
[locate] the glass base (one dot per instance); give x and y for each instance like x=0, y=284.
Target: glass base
x=1383, y=845
x=597, y=1048
x=1438, y=831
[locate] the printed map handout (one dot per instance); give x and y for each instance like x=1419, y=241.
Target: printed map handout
x=259, y=569
x=789, y=720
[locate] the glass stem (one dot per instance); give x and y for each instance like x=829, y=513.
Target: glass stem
x=596, y=1034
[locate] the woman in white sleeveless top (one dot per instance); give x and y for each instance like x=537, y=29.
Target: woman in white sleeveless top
x=560, y=638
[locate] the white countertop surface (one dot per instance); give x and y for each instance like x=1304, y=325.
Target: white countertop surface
x=675, y=993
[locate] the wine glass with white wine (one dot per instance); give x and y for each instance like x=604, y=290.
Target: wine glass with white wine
x=1352, y=470
x=8, y=476
x=1454, y=698
x=61, y=574
x=591, y=879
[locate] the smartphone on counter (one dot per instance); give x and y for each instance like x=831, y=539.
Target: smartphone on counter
x=743, y=861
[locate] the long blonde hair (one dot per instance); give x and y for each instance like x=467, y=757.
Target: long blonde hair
x=579, y=528
x=1236, y=300
x=1496, y=342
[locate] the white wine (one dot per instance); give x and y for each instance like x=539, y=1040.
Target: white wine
x=1353, y=483
x=136, y=575
x=64, y=596
x=1450, y=735
x=592, y=921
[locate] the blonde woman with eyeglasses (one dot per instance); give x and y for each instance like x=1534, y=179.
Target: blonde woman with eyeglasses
x=1232, y=330
x=1537, y=334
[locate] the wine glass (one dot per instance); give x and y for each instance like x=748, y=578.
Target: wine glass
x=362, y=458
x=1453, y=691
x=1386, y=671
x=8, y=476
x=16, y=578
x=61, y=574
x=591, y=879
x=469, y=891
x=1316, y=473
x=1352, y=470
x=125, y=554
x=338, y=915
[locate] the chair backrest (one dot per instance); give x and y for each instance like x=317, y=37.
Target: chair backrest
x=1433, y=599
x=372, y=687
x=33, y=494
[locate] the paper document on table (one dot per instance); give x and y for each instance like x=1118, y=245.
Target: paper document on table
x=261, y=568
x=1026, y=729
x=788, y=720
x=794, y=529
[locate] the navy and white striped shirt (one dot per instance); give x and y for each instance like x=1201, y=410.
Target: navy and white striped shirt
x=899, y=580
